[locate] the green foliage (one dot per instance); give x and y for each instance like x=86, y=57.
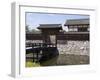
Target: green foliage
x=27, y=29
x=35, y=31
x=32, y=64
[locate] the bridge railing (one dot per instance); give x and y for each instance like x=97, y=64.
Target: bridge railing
x=33, y=45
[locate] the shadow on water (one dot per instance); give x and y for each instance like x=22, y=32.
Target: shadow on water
x=66, y=59
x=49, y=57
x=52, y=57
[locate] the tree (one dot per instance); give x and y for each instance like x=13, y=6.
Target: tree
x=35, y=31
x=27, y=29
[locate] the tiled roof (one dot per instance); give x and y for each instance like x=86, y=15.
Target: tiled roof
x=73, y=22
x=44, y=26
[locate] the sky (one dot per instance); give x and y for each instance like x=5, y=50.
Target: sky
x=34, y=19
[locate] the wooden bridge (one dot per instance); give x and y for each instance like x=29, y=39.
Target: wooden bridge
x=41, y=51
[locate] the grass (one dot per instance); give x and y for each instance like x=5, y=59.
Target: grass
x=32, y=64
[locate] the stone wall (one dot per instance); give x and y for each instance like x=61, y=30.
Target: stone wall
x=70, y=47
x=74, y=47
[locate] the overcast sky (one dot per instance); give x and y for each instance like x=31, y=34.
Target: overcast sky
x=34, y=19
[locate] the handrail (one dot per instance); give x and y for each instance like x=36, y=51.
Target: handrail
x=40, y=45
